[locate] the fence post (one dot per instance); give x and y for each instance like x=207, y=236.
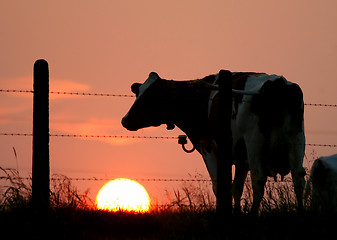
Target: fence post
x=224, y=140
x=40, y=160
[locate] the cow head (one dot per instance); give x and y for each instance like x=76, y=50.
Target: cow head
x=152, y=104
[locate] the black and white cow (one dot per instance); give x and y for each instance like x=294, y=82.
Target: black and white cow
x=323, y=178
x=267, y=124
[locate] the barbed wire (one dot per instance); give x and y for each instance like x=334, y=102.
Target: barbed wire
x=91, y=136
x=133, y=137
x=122, y=95
x=69, y=93
x=111, y=136
x=15, y=91
x=17, y=134
x=93, y=94
x=321, y=145
x=109, y=179
x=320, y=105
x=63, y=178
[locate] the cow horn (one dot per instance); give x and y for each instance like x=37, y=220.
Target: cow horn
x=154, y=75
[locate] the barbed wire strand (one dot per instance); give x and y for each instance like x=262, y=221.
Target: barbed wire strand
x=320, y=105
x=108, y=179
x=15, y=91
x=93, y=94
x=269, y=180
x=112, y=136
x=91, y=136
x=69, y=93
x=122, y=95
x=133, y=137
x=321, y=145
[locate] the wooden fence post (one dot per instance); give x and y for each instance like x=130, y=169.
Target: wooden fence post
x=224, y=140
x=40, y=161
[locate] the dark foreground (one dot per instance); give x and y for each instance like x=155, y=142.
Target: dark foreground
x=80, y=224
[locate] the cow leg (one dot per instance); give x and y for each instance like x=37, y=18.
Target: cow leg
x=254, y=152
x=259, y=179
x=298, y=174
x=241, y=171
x=296, y=155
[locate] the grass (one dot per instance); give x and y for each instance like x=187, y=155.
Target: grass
x=190, y=214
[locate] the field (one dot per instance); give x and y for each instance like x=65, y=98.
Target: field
x=190, y=215
x=88, y=224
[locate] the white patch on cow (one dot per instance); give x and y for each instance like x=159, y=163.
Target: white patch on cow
x=216, y=78
x=246, y=123
x=210, y=100
x=210, y=158
x=212, y=95
x=126, y=115
x=151, y=79
x=211, y=164
x=257, y=81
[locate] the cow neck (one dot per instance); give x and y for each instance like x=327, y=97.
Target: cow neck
x=190, y=109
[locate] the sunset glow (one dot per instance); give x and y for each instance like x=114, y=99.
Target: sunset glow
x=123, y=195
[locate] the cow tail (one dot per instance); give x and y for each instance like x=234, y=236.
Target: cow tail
x=296, y=105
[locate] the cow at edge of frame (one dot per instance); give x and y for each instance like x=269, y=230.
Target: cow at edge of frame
x=322, y=184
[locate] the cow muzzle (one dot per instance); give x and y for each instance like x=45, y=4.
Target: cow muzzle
x=128, y=124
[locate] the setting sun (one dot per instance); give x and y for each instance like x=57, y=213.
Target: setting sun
x=123, y=195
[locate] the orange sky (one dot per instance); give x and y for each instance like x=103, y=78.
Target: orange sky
x=108, y=45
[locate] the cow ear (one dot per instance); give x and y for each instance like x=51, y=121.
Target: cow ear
x=135, y=88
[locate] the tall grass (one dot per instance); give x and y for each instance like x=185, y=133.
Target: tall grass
x=196, y=196
x=190, y=214
x=16, y=192
x=64, y=195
